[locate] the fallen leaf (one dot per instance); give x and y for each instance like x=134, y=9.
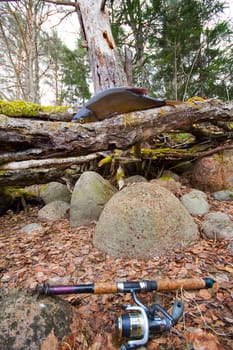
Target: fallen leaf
x=198, y=339
x=229, y=269
x=204, y=294
x=50, y=342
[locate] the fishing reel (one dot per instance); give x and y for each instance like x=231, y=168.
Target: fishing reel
x=139, y=323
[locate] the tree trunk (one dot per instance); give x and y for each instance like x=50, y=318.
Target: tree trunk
x=106, y=67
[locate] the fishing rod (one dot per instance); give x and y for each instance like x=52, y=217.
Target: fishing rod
x=139, y=323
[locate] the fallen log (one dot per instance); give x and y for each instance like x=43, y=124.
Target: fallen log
x=30, y=172
x=43, y=143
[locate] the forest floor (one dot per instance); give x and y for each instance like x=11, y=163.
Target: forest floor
x=60, y=254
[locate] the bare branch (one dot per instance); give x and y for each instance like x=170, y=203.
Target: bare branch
x=63, y=3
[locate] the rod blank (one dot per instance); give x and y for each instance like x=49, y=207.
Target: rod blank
x=126, y=287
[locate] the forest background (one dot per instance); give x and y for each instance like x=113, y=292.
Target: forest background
x=177, y=48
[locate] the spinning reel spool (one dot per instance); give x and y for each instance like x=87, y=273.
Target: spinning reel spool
x=139, y=323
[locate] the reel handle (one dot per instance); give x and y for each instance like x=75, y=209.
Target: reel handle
x=177, y=311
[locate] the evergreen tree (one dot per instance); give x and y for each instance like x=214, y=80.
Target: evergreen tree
x=68, y=72
x=180, y=48
x=192, y=49
x=75, y=74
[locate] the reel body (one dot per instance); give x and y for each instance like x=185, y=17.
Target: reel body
x=139, y=323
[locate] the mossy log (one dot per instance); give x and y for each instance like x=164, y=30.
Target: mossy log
x=34, y=141
x=20, y=108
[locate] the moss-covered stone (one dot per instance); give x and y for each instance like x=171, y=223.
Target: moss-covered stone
x=90, y=194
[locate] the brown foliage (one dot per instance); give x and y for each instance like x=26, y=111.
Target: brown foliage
x=61, y=255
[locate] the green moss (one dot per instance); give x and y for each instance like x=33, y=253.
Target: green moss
x=15, y=192
x=195, y=98
x=22, y=108
x=19, y=108
x=120, y=175
x=180, y=137
x=105, y=160
x=165, y=178
x=127, y=119
x=43, y=187
x=161, y=111
x=54, y=109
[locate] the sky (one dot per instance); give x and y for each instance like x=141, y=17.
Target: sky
x=68, y=29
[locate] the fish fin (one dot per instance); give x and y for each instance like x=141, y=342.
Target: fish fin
x=172, y=103
x=139, y=91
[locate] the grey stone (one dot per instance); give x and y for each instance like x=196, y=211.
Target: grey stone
x=31, y=229
x=217, y=225
x=195, y=202
x=224, y=195
x=90, y=194
x=55, y=191
x=168, y=182
x=214, y=173
x=53, y=211
x=134, y=178
x=230, y=246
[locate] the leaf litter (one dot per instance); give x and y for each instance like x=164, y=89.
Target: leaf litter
x=59, y=254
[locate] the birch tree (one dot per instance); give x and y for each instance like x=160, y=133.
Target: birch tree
x=105, y=64
x=25, y=59
x=106, y=67
x=19, y=29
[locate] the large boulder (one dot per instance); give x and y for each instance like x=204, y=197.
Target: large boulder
x=90, y=194
x=144, y=220
x=29, y=322
x=214, y=173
